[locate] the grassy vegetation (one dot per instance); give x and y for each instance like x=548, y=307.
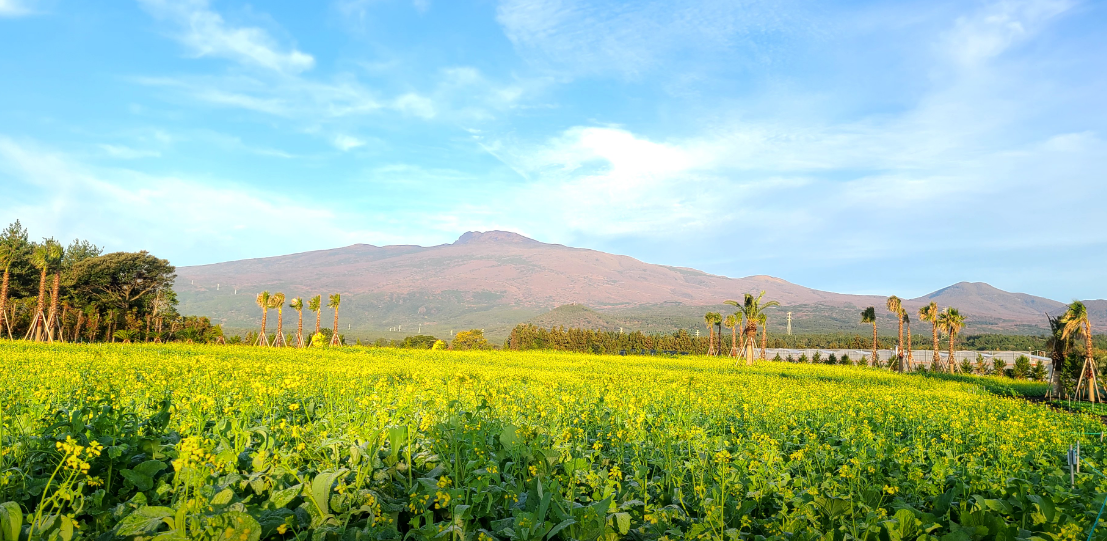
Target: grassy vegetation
x=210, y=442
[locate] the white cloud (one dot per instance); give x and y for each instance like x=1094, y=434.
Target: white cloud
x=415, y=104
x=347, y=142
x=15, y=8
x=998, y=26
x=128, y=153
x=596, y=37
x=186, y=220
x=205, y=33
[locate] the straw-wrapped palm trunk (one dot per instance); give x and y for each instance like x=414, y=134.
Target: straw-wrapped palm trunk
x=709, y=320
x=929, y=313
x=263, y=303
x=277, y=301
x=895, y=306
x=8, y=255
x=751, y=311
x=764, y=334
x=52, y=321
x=1076, y=321
x=316, y=305
x=334, y=301
x=952, y=322
x=732, y=323
x=297, y=304
x=910, y=357
x=43, y=258
x=868, y=315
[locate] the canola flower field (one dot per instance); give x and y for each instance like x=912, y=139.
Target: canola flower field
x=215, y=442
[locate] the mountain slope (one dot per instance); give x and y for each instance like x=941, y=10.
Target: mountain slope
x=497, y=279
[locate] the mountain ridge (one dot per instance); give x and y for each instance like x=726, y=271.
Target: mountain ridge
x=500, y=278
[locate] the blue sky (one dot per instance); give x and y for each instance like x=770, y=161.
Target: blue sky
x=858, y=147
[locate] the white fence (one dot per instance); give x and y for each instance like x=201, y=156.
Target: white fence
x=922, y=357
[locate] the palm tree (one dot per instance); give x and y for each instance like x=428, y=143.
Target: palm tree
x=315, y=304
x=930, y=314
x=10, y=252
x=732, y=323
x=895, y=306
x=910, y=357
x=297, y=304
x=952, y=322
x=57, y=253
x=764, y=321
x=1076, y=323
x=43, y=259
x=334, y=301
x=710, y=319
x=868, y=315
x=263, y=303
x=277, y=301
x=1058, y=345
x=751, y=310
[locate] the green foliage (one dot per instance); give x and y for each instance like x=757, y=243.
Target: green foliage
x=1021, y=369
x=471, y=339
x=203, y=442
x=420, y=341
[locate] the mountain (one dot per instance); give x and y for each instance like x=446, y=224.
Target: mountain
x=496, y=279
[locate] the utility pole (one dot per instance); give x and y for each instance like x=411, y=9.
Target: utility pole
x=789, y=324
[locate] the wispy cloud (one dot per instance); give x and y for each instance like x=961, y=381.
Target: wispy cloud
x=15, y=8
x=128, y=153
x=129, y=210
x=205, y=33
x=995, y=27
x=595, y=37
x=347, y=142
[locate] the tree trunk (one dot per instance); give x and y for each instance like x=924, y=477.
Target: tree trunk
x=300, y=329
x=280, y=327
x=951, y=360
x=937, y=362
x=910, y=357
x=4, y=303
x=77, y=327
x=1093, y=381
x=899, y=352
x=710, y=339
x=40, y=309
x=764, y=340
x=875, y=359
x=52, y=321
x=733, y=341
x=262, y=339
x=318, y=319
x=751, y=335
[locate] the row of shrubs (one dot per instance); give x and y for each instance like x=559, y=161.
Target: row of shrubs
x=1022, y=369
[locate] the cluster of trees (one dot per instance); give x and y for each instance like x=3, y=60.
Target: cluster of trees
x=275, y=301
x=529, y=337
x=472, y=339
x=749, y=317
x=76, y=293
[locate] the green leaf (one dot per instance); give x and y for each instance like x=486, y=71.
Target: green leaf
x=397, y=436
x=11, y=521
x=321, y=489
x=622, y=522
x=66, y=530
x=223, y=498
x=1046, y=505
x=242, y=527
x=560, y=526
x=150, y=467
x=143, y=520
x=508, y=437
x=141, y=481
x=281, y=498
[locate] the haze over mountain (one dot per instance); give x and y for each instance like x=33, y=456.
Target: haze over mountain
x=497, y=279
